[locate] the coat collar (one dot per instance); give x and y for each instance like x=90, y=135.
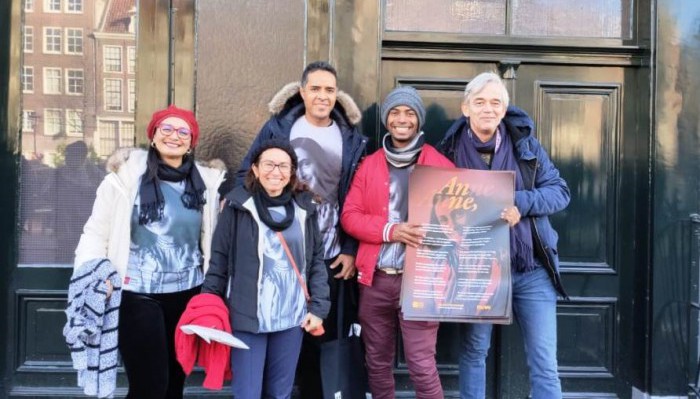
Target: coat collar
x=130, y=164
x=288, y=97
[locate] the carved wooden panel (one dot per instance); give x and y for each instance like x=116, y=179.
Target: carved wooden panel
x=586, y=337
x=40, y=343
x=579, y=126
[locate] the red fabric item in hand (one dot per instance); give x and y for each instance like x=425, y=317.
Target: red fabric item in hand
x=206, y=310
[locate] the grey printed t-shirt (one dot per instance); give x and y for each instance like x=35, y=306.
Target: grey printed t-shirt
x=320, y=152
x=164, y=256
x=281, y=302
x=393, y=254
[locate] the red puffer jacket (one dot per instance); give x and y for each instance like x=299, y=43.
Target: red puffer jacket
x=366, y=212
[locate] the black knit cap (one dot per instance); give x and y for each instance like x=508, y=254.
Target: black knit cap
x=274, y=143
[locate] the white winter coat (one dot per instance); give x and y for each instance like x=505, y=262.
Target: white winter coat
x=107, y=233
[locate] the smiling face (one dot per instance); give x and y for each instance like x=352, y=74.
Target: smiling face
x=172, y=146
x=319, y=96
x=402, y=124
x=485, y=110
x=273, y=170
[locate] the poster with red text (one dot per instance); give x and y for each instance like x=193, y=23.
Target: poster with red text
x=461, y=272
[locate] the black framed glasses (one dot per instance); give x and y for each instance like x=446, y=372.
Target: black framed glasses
x=269, y=166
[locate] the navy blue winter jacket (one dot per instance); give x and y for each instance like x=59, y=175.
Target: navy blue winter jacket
x=287, y=106
x=547, y=191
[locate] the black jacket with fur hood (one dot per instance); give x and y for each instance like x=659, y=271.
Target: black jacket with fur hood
x=286, y=107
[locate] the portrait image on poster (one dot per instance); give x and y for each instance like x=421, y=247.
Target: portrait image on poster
x=462, y=270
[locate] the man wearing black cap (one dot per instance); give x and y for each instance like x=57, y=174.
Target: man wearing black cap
x=375, y=212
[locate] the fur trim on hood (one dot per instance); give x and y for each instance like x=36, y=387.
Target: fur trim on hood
x=291, y=90
x=121, y=156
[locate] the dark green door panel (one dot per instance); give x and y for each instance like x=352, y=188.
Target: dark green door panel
x=591, y=134
x=676, y=196
x=594, y=136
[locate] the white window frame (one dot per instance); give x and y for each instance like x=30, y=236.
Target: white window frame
x=67, y=37
x=122, y=138
x=131, y=59
x=67, y=5
x=60, y=40
x=47, y=4
x=131, y=95
x=28, y=5
x=46, y=76
x=70, y=132
x=104, y=59
x=28, y=39
x=121, y=94
x=68, y=85
x=28, y=120
x=46, y=121
x=24, y=75
x=99, y=137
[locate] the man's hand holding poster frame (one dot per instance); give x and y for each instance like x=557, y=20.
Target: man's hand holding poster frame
x=462, y=270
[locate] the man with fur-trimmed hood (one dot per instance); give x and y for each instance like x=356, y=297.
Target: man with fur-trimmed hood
x=320, y=123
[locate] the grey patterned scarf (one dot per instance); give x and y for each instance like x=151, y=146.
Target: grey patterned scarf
x=406, y=156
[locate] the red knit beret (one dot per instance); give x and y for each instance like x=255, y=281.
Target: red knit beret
x=184, y=114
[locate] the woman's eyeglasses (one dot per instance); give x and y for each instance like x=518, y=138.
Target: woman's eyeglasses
x=269, y=166
x=182, y=132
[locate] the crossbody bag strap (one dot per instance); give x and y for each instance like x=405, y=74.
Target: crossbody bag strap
x=294, y=265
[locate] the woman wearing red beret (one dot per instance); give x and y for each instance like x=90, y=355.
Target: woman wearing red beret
x=153, y=218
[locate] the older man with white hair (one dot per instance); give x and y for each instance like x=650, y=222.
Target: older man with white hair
x=493, y=136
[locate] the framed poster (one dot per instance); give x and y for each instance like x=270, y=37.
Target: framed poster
x=461, y=272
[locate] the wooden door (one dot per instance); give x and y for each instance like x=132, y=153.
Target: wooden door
x=592, y=135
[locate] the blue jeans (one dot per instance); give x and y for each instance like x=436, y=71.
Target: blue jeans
x=535, y=311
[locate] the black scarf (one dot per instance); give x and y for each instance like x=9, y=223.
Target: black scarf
x=263, y=203
x=468, y=153
x=152, y=201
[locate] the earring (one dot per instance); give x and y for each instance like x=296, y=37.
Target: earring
x=189, y=151
x=153, y=144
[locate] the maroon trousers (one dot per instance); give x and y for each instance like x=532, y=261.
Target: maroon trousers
x=380, y=314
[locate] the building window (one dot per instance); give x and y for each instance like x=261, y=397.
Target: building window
x=113, y=134
x=52, y=80
x=52, y=5
x=29, y=5
x=112, y=58
x=74, y=122
x=28, y=39
x=113, y=94
x=28, y=120
x=74, y=41
x=132, y=95
x=27, y=79
x=52, y=122
x=52, y=40
x=127, y=138
x=131, y=58
x=107, y=137
x=513, y=18
x=74, y=6
x=74, y=81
